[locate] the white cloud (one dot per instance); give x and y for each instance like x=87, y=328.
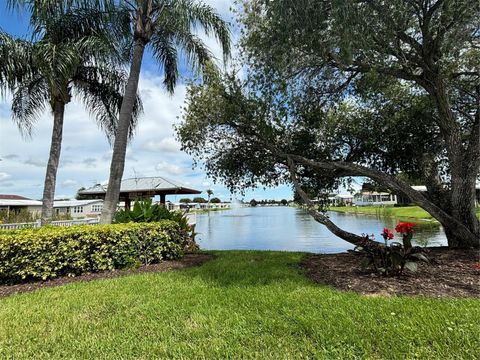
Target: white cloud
x=90, y=162
x=36, y=162
x=4, y=176
x=69, y=183
x=169, y=145
x=168, y=168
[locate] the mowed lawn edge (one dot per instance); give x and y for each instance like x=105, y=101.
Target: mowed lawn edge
x=246, y=304
x=406, y=213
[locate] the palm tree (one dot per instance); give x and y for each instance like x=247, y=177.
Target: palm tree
x=69, y=55
x=166, y=26
x=209, y=194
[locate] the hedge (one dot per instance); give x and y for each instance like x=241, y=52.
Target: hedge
x=50, y=251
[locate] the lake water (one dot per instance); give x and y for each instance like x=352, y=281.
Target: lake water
x=292, y=229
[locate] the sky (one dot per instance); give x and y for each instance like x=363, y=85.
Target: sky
x=86, y=154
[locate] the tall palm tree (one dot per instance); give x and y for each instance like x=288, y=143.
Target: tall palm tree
x=69, y=56
x=209, y=194
x=167, y=27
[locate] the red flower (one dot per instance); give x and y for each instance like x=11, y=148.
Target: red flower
x=476, y=266
x=387, y=234
x=404, y=227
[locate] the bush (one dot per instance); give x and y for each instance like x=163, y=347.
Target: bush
x=51, y=251
x=145, y=211
x=22, y=216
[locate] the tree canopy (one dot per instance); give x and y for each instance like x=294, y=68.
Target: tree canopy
x=384, y=90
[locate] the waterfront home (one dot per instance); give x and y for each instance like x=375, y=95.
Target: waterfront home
x=17, y=203
x=78, y=209
x=371, y=198
x=343, y=199
x=196, y=206
x=405, y=200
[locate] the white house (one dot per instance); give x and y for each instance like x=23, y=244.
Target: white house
x=78, y=209
x=370, y=198
x=345, y=199
x=17, y=203
x=196, y=206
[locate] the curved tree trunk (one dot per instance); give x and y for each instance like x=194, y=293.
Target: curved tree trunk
x=318, y=216
x=53, y=161
x=458, y=232
x=121, y=136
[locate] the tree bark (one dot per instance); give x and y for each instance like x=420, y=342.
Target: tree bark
x=464, y=162
x=121, y=136
x=53, y=161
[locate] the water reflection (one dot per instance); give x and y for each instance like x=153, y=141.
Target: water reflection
x=291, y=229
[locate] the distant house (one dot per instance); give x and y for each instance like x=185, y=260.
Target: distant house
x=343, y=199
x=78, y=208
x=17, y=203
x=374, y=198
x=405, y=200
x=196, y=206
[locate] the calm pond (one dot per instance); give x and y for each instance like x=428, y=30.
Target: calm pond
x=292, y=229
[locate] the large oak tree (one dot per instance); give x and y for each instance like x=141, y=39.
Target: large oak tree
x=337, y=89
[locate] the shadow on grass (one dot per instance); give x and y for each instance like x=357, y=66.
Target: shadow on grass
x=249, y=268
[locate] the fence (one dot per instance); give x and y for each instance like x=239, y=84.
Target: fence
x=192, y=220
x=63, y=223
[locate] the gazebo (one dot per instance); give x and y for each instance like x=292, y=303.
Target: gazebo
x=141, y=188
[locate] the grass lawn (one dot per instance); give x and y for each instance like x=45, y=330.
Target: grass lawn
x=402, y=213
x=241, y=305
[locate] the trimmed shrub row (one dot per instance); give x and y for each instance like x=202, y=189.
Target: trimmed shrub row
x=51, y=251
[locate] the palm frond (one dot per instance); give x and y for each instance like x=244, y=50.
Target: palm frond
x=166, y=55
x=175, y=23
x=15, y=62
x=44, y=9
x=101, y=90
x=29, y=100
x=194, y=14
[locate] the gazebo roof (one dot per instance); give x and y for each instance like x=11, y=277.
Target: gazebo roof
x=146, y=186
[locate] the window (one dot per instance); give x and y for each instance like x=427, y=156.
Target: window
x=78, y=209
x=97, y=208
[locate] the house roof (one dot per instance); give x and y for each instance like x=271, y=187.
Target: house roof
x=12, y=197
x=71, y=203
x=419, y=187
x=155, y=185
x=373, y=193
x=20, y=202
x=344, y=196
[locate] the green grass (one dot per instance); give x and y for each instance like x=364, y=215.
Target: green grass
x=402, y=213
x=241, y=305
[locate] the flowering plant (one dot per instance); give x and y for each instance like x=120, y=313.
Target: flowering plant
x=387, y=235
x=394, y=258
x=406, y=229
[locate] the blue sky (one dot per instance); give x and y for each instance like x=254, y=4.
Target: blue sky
x=86, y=154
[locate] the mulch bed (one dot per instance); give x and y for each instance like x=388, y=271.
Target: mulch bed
x=188, y=260
x=451, y=274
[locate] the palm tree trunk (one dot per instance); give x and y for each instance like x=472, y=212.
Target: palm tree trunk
x=53, y=160
x=117, y=164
